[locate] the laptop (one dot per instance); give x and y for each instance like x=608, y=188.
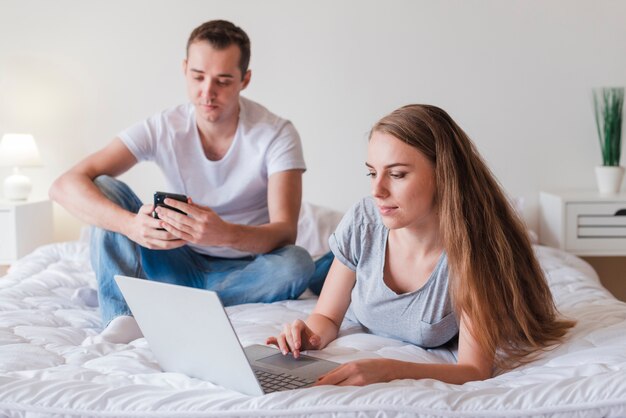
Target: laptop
x=189, y=332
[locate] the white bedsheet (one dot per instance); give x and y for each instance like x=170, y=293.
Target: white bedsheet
x=45, y=371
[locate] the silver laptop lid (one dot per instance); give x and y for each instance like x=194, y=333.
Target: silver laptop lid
x=189, y=332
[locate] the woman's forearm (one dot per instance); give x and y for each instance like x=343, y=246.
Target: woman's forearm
x=321, y=325
x=450, y=373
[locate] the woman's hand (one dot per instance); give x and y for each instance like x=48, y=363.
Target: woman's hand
x=360, y=373
x=296, y=337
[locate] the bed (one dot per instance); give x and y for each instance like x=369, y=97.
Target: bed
x=48, y=367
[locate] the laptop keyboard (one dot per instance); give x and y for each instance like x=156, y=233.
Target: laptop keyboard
x=272, y=382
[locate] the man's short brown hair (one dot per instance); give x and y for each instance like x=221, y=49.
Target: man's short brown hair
x=221, y=34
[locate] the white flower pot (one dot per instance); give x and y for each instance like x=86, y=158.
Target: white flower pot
x=609, y=178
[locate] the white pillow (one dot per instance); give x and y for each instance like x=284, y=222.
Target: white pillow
x=315, y=226
x=518, y=204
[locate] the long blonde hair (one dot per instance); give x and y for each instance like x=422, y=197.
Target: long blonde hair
x=495, y=279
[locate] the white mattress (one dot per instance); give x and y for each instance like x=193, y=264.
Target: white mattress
x=45, y=371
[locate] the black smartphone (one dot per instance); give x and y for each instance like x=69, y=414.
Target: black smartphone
x=159, y=198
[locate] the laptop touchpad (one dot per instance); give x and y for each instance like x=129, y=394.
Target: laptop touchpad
x=287, y=361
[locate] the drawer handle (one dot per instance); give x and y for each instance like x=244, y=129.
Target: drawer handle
x=621, y=212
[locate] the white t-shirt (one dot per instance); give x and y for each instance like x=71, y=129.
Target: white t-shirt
x=235, y=187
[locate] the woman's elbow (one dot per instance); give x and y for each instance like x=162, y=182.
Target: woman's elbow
x=477, y=374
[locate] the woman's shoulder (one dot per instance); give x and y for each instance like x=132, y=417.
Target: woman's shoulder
x=359, y=234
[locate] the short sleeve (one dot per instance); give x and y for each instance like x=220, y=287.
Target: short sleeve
x=345, y=242
x=141, y=138
x=285, y=151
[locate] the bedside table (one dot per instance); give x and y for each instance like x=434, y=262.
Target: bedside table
x=25, y=226
x=592, y=226
x=584, y=223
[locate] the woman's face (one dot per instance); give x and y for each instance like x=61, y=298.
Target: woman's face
x=403, y=182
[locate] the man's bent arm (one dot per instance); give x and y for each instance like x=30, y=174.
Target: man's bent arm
x=76, y=191
x=284, y=197
x=203, y=226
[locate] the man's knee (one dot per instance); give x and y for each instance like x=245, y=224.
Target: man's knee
x=118, y=192
x=296, y=262
x=105, y=183
x=288, y=273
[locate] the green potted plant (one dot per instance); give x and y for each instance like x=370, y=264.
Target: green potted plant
x=608, y=103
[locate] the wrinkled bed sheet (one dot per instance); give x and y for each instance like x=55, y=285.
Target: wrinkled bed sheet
x=44, y=369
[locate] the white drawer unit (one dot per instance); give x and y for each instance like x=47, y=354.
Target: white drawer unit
x=24, y=226
x=584, y=223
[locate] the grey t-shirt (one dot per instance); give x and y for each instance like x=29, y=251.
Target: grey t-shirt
x=423, y=317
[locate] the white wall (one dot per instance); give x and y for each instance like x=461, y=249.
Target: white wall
x=516, y=75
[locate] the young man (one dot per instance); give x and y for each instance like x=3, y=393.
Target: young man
x=241, y=168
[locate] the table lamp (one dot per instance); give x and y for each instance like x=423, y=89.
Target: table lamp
x=18, y=150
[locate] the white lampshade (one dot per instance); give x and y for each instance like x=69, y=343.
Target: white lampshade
x=18, y=150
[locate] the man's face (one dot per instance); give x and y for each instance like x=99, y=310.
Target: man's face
x=214, y=81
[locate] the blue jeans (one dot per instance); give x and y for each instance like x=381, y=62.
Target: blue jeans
x=322, y=265
x=281, y=274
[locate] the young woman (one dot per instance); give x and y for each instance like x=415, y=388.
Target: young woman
x=435, y=252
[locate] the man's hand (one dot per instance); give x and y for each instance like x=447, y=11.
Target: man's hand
x=144, y=230
x=200, y=226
